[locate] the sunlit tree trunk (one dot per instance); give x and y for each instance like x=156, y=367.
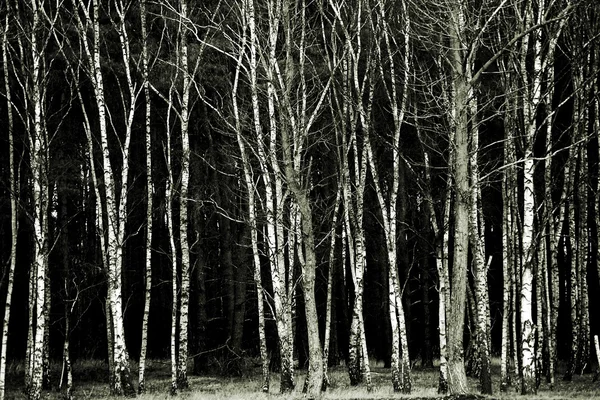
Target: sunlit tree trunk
x=169, y=220
x=532, y=98
x=457, y=382
x=441, y=262
x=330, y=275
x=13, y=183
x=477, y=240
x=116, y=213
x=509, y=236
x=249, y=20
x=400, y=361
x=38, y=155
x=149, y=205
x=353, y=172
x=182, y=379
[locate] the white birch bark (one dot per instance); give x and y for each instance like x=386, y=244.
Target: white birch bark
x=328, y=307
x=532, y=98
x=249, y=19
x=400, y=361
x=149, y=205
x=169, y=194
x=13, y=193
x=354, y=166
x=39, y=163
x=441, y=262
x=274, y=199
x=182, y=380
x=116, y=212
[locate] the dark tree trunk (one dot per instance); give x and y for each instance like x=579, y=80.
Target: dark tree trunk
x=201, y=320
x=426, y=353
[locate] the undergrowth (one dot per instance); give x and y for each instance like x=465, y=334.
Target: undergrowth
x=91, y=382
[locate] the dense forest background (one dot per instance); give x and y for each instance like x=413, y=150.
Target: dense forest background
x=301, y=184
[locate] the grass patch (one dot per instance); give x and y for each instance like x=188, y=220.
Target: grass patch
x=91, y=382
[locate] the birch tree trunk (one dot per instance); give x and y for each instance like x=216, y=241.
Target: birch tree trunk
x=457, y=378
x=13, y=183
x=182, y=379
x=441, y=262
x=116, y=213
x=38, y=142
x=330, y=292
x=149, y=204
x=249, y=20
x=400, y=362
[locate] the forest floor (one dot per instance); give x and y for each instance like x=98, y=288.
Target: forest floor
x=91, y=382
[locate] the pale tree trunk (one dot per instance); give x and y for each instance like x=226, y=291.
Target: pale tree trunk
x=100, y=224
x=274, y=198
x=351, y=114
x=328, y=308
x=315, y=372
x=249, y=19
x=543, y=58
x=457, y=379
x=65, y=385
x=400, y=361
x=508, y=257
x=553, y=225
x=350, y=106
x=553, y=231
x=532, y=98
x=441, y=233
x=169, y=190
x=31, y=275
x=13, y=192
x=295, y=133
x=573, y=279
x=38, y=143
x=182, y=379
x=46, y=378
x=477, y=240
x=116, y=212
x=577, y=230
x=584, y=231
x=149, y=206
x=441, y=262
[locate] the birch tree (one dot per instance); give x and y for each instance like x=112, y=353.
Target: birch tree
x=246, y=15
x=351, y=100
x=149, y=200
x=39, y=161
x=13, y=193
x=271, y=176
x=87, y=16
x=401, y=380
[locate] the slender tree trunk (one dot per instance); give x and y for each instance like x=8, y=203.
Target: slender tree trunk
x=508, y=257
x=39, y=164
x=149, y=205
x=46, y=376
x=65, y=385
x=329, y=313
x=440, y=233
x=182, y=380
x=583, y=243
x=250, y=185
x=13, y=193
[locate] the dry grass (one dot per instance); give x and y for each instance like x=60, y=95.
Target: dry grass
x=91, y=383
